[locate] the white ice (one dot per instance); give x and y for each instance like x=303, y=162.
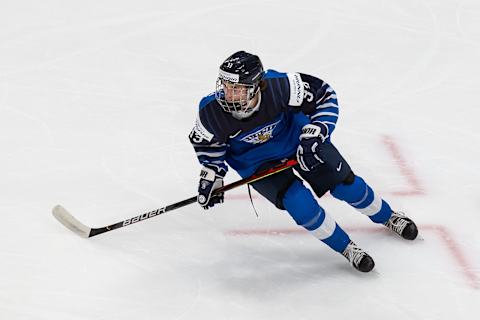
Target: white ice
x=97, y=99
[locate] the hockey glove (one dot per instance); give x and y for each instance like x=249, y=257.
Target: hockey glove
x=209, y=181
x=311, y=140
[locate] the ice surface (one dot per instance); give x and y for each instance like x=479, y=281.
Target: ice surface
x=96, y=102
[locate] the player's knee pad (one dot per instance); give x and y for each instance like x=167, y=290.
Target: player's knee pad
x=352, y=192
x=302, y=206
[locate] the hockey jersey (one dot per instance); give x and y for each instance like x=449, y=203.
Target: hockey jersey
x=288, y=102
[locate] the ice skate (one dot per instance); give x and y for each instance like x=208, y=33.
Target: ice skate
x=358, y=258
x=402, y=225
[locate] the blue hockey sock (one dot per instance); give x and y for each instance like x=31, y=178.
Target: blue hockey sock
x=306, y=212
x=361, y=196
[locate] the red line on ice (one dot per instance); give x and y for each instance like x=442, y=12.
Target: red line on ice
x=457, y=253
x=443, y=234
x=415, y=188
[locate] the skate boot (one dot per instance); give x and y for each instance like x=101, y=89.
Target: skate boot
x=402, y=225
x=358, y=258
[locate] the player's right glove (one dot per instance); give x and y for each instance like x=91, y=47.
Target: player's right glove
x=311, y=140
x=209, y=181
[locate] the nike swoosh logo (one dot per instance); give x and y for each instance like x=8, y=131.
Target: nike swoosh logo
x=235, y=134
x=339, y=167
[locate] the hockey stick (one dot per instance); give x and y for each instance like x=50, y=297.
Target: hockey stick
x=69, y=221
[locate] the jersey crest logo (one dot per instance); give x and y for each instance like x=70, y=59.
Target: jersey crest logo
x=262, y=135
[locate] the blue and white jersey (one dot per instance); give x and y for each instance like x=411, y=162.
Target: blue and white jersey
x=288, y=102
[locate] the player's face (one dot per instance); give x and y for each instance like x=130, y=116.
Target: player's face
x=235, y=92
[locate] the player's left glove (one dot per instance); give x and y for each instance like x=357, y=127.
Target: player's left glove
x=209, y=181
x=311, y=140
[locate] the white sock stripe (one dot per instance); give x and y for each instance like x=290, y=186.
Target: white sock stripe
x=363, y=199
x=374, y=207
x=326, y=229
x=313, y=221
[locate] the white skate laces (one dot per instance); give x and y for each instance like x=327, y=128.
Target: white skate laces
x=397, y=222
x=358, y=258
x=402, y=225
x=353, y=253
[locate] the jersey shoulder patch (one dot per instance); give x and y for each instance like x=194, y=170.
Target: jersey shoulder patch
x=296, y=89
x=199, y=132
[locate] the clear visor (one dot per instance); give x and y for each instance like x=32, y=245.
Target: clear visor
x=235, y=97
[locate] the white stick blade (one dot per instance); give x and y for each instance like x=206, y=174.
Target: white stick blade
x=69, y=221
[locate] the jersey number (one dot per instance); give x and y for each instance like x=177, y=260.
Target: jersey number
x=307, y=94
x=195, y=137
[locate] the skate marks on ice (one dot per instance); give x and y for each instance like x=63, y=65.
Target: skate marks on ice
x=444, y=238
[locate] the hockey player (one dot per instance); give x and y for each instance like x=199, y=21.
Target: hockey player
x=255, y=119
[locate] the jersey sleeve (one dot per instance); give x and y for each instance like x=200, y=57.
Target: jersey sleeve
x=210, y=151
x=315, y=98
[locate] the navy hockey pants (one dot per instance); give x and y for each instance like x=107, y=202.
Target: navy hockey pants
x=286, y=191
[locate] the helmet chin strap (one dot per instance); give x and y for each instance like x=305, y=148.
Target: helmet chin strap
x=239, y=115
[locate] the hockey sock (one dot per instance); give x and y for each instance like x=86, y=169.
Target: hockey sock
x=361, y=196
x=306, y=212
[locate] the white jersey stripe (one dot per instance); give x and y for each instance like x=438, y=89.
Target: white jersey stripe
x=327, y=105
x=329, y=122
x=215, y=145
x=329, y=90
x=219, y=168
x=211, y=154
x=333, y=114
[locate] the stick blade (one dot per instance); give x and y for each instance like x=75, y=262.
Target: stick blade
x=69, y=221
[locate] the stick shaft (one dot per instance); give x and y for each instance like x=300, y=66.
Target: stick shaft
x=76, y=226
